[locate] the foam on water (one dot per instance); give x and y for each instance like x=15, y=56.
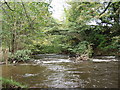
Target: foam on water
x=57, y=61
x=29, y=75
x=103, y=60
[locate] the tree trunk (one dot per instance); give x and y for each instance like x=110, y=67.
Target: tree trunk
x=13, y=45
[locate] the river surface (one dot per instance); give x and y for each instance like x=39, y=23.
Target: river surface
x=57, y=71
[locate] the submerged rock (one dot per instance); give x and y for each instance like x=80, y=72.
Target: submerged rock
x=80, y=57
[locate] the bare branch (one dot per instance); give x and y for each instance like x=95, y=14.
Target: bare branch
x=2, y=4
x=5, y=12
x=105, y=8
x=25, y=10
x=28, y=17
x=8, y=5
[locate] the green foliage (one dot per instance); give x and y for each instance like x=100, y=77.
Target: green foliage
x=83, y=47
x=9, y=83
x=21, y=55
x=46, y=49
x=31, y=26
x=101, y=35
x=27, y=22
x=113, y=45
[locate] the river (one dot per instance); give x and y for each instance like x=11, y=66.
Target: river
x=57, y=71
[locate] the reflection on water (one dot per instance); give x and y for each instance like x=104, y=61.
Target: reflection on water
x=57, y=71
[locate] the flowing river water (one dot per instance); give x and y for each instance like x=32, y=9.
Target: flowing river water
x=57, y=71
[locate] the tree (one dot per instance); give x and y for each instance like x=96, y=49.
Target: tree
x=23, y=24
x=80, y=35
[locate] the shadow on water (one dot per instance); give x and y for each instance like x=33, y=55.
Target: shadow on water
x=56, y=71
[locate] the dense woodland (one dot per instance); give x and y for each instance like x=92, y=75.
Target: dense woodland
x=29, y=28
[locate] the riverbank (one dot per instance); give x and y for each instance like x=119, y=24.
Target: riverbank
x=36, y=58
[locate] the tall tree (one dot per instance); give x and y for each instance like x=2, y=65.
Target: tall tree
x=24, y=23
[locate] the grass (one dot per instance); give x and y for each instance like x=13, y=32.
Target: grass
x=9, y=83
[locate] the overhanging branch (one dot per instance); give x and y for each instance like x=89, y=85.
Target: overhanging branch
x=8, y=5
x=6, y=12
x=2, y=4
x=106, y=8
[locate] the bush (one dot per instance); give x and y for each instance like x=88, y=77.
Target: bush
x=21, y=55
x=81, y=48
x=42, y=49
x=84, y=47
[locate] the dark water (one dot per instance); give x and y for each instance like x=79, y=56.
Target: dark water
x=56, y=71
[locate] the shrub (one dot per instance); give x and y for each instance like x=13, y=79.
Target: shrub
x=84, y=47
x=81, y=48
x=21, y=55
